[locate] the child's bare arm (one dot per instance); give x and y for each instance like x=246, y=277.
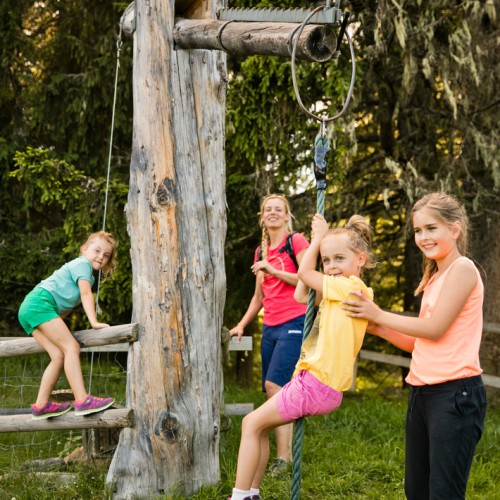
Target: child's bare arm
x=307, y=269
x=301, y=294
x=88, y=304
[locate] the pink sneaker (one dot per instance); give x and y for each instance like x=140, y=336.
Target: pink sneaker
x=92, y=404
x=50, y=409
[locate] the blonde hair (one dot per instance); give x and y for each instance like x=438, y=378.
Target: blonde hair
x=265, y=235
x=109, y=268
x=360, y=235
x=447, y=209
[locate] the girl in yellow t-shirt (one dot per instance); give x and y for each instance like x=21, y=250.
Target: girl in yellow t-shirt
x=325, y=367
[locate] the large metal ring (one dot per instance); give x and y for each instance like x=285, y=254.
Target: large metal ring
x=294, y=79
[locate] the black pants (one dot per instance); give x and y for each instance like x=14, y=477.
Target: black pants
x=444, y=423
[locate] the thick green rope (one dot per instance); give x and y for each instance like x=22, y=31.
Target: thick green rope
x=321, y=148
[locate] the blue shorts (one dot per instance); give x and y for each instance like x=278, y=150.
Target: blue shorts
x=280, y=351
x=37, y=308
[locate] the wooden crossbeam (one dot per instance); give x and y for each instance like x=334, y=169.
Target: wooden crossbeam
x=19, y=343
x=238, y=409
x=316, y=43
x=86, y=338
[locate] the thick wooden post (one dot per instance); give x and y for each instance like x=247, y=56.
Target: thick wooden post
x=177, y=225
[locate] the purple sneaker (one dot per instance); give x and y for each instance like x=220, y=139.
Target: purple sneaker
x=50, y=409
x=92, y=404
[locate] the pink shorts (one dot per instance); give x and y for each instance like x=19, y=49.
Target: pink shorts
x=305, y=395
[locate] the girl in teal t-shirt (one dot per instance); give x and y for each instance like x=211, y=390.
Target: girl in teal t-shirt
x=41, y=315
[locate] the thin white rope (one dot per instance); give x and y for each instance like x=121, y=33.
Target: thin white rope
x=118, y=50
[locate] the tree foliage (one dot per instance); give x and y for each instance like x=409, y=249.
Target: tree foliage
x=57, y=68
x=423, y=117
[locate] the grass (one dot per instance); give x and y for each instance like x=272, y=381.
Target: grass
x=356, y=452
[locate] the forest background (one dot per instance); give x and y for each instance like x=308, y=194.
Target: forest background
x=424, y=116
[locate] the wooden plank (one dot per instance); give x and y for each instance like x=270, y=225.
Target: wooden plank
x=107, y=419
x=86, y=338
x=491, y=328
x=108, y=348
x=245, y=344
x=238, y=409
x=491, y=380
x=395, y=360
x=390, y=359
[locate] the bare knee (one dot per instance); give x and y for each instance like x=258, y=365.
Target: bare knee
x=73, y=348
x=253, y=423
x=248, y=424
x=57, y=358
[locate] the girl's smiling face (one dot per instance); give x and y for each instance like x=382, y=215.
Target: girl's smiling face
x=337, y=257
x=97, y=252
x=435, y=238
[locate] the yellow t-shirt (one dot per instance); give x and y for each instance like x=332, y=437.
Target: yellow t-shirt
x=329, y=352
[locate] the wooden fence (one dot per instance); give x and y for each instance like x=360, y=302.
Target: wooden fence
x=395, y=360
x=117, y=339
x=111, y=339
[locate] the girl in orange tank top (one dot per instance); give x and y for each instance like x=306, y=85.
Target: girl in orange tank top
x=447, y=398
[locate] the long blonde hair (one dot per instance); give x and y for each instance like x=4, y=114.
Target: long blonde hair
x=264, y=245
x=108, y=269
x=360, y=235
x=448, y=210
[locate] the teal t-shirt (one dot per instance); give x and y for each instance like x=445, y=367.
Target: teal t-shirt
x=63, y=283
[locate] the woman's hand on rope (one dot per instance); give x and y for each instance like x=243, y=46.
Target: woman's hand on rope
x=319, y=227
x=363, y=308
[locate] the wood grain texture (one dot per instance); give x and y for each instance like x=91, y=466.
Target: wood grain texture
x=177, y=225
x=316, y=43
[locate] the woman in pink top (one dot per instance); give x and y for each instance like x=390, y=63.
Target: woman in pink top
x=276, y=279
x=447, y=399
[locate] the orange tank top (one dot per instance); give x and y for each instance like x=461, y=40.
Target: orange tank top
x=456, y=354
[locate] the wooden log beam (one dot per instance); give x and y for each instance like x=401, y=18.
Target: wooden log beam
x=86, y=338
x=108, y=419
x=316, y=43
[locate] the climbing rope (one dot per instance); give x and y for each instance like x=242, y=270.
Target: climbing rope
x=321, y=148
x=119, y=44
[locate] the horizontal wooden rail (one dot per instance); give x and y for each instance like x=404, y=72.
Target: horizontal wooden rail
x=86, y=338
x=380, y=357
x=94, y=341
x=238, y=409
x=245, y=344
x=316, y=43
x=108, y=419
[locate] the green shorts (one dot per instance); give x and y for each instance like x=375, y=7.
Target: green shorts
x=38, y=307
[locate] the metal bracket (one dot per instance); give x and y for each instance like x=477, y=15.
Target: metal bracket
x=328, y=15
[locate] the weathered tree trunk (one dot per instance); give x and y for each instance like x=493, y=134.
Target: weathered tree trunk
x=176, y=220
